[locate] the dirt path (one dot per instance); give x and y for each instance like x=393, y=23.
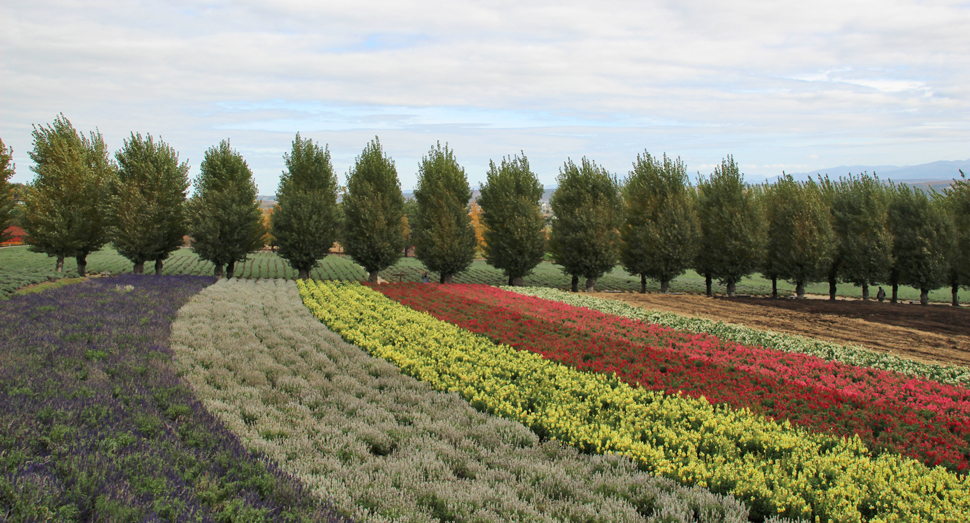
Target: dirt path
x=935, y=333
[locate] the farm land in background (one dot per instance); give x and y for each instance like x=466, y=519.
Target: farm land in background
x=19, y=267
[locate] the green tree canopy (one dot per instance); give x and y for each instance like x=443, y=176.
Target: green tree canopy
x=410, y=217
x=660, y=231
x=829, y=189
x=444, y=239
x=587, y=214
x=224, y=220
x=374, y=211
x=6, y=190
x=764, y=195
x=799, y=232
x=732, y=234
x=920, y=241
x=305, y=221
x=958, y=204
x=146, y=203
x=863, y=243
x=515, y=239
x=63, y=205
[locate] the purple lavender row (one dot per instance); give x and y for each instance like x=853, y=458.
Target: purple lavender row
x=96, y=425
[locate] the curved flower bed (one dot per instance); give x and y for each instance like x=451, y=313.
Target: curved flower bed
x=947, y=374
x=97, y=425
x=925, y=420
x=776, y=468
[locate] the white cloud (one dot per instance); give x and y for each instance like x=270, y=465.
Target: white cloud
x=772, y=83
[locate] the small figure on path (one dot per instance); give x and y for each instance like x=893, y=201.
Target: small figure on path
x=881, y=294
x=424, y=279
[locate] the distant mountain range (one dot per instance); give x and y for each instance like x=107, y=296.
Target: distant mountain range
x=936, y=175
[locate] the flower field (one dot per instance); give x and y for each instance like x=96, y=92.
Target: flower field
x=947, y=374
x=97, y=425
x=922, y=419
x=776, y=467
x=386, y=447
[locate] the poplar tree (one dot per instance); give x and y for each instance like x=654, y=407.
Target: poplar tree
x=224, y=220
x=6, y=190
x=828, y=188
x=920, y=241
x=860, y=223
x=515, y=238
x=799, y=233
x=958, y=203
x=410, y=216
x=587, y=215
x=658, y=238
x=304, y=221
x=764, y=195
x=146, y=203
x=444, y=239
x=63, y=205
x=732, y=231
x=373, y=212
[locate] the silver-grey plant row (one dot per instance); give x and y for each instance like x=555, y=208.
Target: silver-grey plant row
x=386, y=447
x=852, y=355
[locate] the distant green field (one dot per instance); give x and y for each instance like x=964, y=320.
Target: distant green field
x=20, y=267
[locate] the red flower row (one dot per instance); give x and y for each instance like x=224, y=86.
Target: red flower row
x=925, y=420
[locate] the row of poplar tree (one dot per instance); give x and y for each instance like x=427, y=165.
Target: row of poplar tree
x=856, y=230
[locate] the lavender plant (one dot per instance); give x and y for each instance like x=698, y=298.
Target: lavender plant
x=95, y=424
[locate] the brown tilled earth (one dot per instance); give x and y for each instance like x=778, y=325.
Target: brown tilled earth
x=934, y=333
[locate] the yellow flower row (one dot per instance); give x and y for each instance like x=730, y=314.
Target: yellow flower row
x=775, y=468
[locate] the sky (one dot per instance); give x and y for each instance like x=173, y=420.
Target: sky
x=781, y=86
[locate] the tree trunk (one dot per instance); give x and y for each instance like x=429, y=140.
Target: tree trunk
x=575, y=283
x=590, y=284
x=303, y=274
x=832, y=288
x=82, y=264
x=139, y=268
x=895, y=298
x=954, y=291
x=665, y=287
x=731, y=288
x=60, y=264
x=924, y=296
x=159, y=265
x=774, y=287
x=518, y=281
x=709, y=282
x=510, y=280
x=230, y=268
x=372, y=276
x=800, y=290
x=447, y=278
x=218, y=271
x=643, y=284
x=865, y=292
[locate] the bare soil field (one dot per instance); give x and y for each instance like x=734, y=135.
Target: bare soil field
x=933, y=333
